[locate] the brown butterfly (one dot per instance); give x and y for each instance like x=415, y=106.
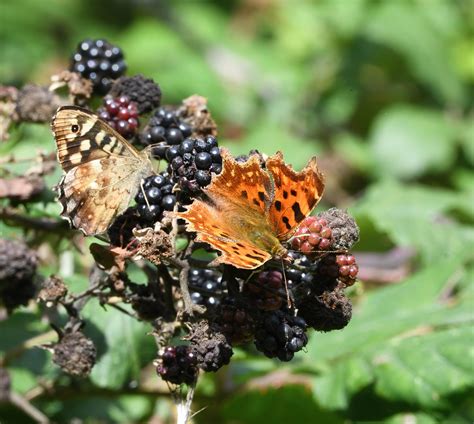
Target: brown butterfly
x=102, y=170
x=247, y=211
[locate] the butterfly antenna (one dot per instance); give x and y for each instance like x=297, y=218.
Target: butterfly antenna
x=288, y=299
x=144, y=195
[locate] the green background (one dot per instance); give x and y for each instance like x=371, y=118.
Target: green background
x=381, y=92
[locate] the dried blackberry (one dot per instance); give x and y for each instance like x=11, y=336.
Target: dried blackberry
x=100, y=62
x=280, y=335
x=178, y=364
x=194, y=162
x=75, y=354
x=206, y=287
x=17, y=272
x=143, y=91
x=345, y=232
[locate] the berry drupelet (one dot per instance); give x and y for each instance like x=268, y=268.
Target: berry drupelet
x=341, y=267
x=236, y=321
x=99, y=61
x=193, y=162
x=266, y=291
x=313, y=235
x=158, y=190
x=206, y=287
x=178, y=365
x=280, y=335
x=165, y=127
x=121, y=114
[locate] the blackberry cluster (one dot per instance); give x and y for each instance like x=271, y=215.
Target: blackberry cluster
x=121, y=114
x=280, y=335
x=158, y=190
x=99, y=61
x=266, y=291
x=300, y=272
x=206, y=287
x=178, y=365
x=236, y=321
x=341, y=267
x=193, y=162
x=313, y=235
x=145, y=92
x=165, y=127
x=75, y=354
x=17, y=273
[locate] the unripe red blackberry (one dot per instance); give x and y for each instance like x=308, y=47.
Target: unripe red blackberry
x=75, y=354
x=266, y=291
x=313, y=235
x=121, y=114
x=99, y=61
x=280, y=334
x=178, y=365
x=143, y=91
x=340, y=267
x=158, y=190
x=17, y=273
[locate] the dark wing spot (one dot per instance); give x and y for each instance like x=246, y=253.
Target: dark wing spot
x=257, y=253
x=256, y=202
x=244, y=194
x=261, y=195
x=293, y=192
x=240, y=245
x=235, y=248
x=278, y=205
x=297, y=211
x=285, y=194
x=75, y=128
x=286, y=221
x=256, y=258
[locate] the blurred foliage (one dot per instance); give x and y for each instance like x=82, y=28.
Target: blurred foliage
x=385, y=87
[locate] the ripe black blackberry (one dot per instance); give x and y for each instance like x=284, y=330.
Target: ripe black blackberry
x=17, y=273
x=121, y=231
x=75, y=354
x=235, y=320
x=164, y=127
x=178, y=364
x=280, y=335
x=194, y=162
x=99, y=61
x=206, y=287
x=145, y=92
x=121, y=114
x=158, y=190
x=300, y=272
x=266, y=291
x=313, y=235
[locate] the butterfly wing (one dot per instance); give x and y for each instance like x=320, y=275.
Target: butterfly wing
x=295, y=194
x=102, y=170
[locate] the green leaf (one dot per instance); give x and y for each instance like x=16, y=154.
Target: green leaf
x=409, y=142
x=123, y=345
x=426, y=368
x=408, y=417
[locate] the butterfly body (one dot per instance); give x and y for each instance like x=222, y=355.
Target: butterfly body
x=247, y=211
x=102, y=170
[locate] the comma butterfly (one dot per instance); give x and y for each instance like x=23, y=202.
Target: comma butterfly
x=248, y=211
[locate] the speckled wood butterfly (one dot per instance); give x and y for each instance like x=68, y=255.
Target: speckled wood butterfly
x=102, y=170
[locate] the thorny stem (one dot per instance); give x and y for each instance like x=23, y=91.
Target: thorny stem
x=21, y=403
x=184, y=406
x=43, y=224
x=168, y=282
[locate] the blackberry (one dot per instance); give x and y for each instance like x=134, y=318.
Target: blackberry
x=100, y=62
x=145, y=303
x=121, y=231
x=75, y=354
x=300, y=272
x=121, y=114
x=164, y=127
x=17, y=273
x=194, y=162
x=266, y=291
x=341, y=267
x=52, y=290
x=206, y=287
x=210, y=345
x=280, y=335
x=236, y=321
x=328, y=311
x=143, y=91
x=158, y=190
x=178, y=364
x=313, y=235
